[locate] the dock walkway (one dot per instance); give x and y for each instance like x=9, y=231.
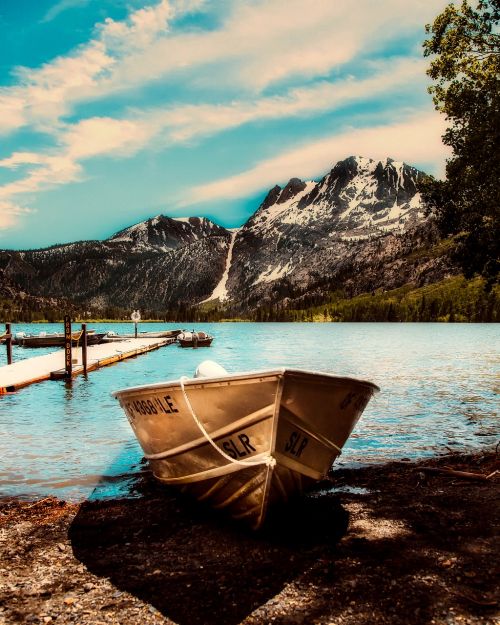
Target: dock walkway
x=39, y=368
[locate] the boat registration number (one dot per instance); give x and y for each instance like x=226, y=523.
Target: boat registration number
x=150, y=406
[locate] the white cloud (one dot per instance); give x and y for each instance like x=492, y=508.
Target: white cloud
x=49, y=171
x=11, y=111
x=190, y=121
x=415, y=140
x=271, y=40
x=107, y=136
x=61, y=6
x=89, y=138
x=42, y=95
x=100, y=136
x=22, y=158
x=259, y=43
x=45, y=94
x=140, y=29
x=10, y=213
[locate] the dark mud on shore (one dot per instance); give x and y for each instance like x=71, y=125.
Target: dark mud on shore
x=386, y=544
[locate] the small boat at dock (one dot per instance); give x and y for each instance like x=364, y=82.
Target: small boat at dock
x=111, y=336
x=245, y=442
x=194, y=339
x=56, y=339
x=94, y=338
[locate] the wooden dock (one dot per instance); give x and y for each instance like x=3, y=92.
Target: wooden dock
x=51, y=366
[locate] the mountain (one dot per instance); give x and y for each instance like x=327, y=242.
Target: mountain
x=354, y=229
x=361, y=227
x=155, y=264
x=163, y=234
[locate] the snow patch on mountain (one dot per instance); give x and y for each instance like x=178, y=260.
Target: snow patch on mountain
x=128, y=234
x=274, y=273
x=220, y=291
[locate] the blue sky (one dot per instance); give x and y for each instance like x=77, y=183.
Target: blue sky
x=112, y=112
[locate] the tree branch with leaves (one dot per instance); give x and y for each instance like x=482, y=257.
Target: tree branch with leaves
x=464, y=47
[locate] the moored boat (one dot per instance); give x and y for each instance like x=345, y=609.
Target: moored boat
x=111, y=336
x=194, y=339
x=56, y=339
x=247, y=441
x=93, y=338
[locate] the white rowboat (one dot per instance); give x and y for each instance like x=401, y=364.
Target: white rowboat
x=247, y=441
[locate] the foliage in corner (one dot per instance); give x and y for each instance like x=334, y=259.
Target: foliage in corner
x=465, y=66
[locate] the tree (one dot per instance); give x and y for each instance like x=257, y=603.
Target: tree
x=464, y=44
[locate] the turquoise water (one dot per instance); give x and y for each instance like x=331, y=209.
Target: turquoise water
x=439, y=391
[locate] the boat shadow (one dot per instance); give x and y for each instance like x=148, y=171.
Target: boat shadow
x=194, y=565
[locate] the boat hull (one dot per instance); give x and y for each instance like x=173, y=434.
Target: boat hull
x=198, y=343
x=58, y=340
x=161, y=334
x=245, y=442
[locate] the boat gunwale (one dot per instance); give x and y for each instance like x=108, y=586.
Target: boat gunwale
x=243, y=376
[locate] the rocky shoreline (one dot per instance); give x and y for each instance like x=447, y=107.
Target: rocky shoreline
x=394, y=543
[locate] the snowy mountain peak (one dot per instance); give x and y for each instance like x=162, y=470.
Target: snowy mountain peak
x=278, y=204
x=292, y=188
x=355, y=229
x=279, y=195
x=359, y=198
x=163, y=233
x=306, y=232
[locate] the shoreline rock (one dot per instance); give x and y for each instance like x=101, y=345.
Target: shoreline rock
x=391, y=543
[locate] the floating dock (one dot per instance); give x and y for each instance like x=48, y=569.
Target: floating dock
x=51, y=366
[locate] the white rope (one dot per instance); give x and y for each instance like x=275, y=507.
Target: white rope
x=268, y=460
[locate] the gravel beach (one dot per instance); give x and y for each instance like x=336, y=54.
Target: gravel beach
x=392, y=543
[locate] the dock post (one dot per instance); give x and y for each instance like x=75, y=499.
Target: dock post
x=135, y=316
x=8, y=343
x=67, y=348
x=84, y=348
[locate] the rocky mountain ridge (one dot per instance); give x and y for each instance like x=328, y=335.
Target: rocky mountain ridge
x=357, y=198
x=361, y=227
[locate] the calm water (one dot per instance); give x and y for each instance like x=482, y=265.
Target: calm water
x=439, y=386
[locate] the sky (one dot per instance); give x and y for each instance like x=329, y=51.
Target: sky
x=114, y=111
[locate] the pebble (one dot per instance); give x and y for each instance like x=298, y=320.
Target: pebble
x=306, y=600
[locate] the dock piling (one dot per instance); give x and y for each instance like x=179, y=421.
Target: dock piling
x=84, y=348
x=8, y=342
x=67, y=347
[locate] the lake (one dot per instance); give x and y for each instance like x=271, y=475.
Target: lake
x=439, y=392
